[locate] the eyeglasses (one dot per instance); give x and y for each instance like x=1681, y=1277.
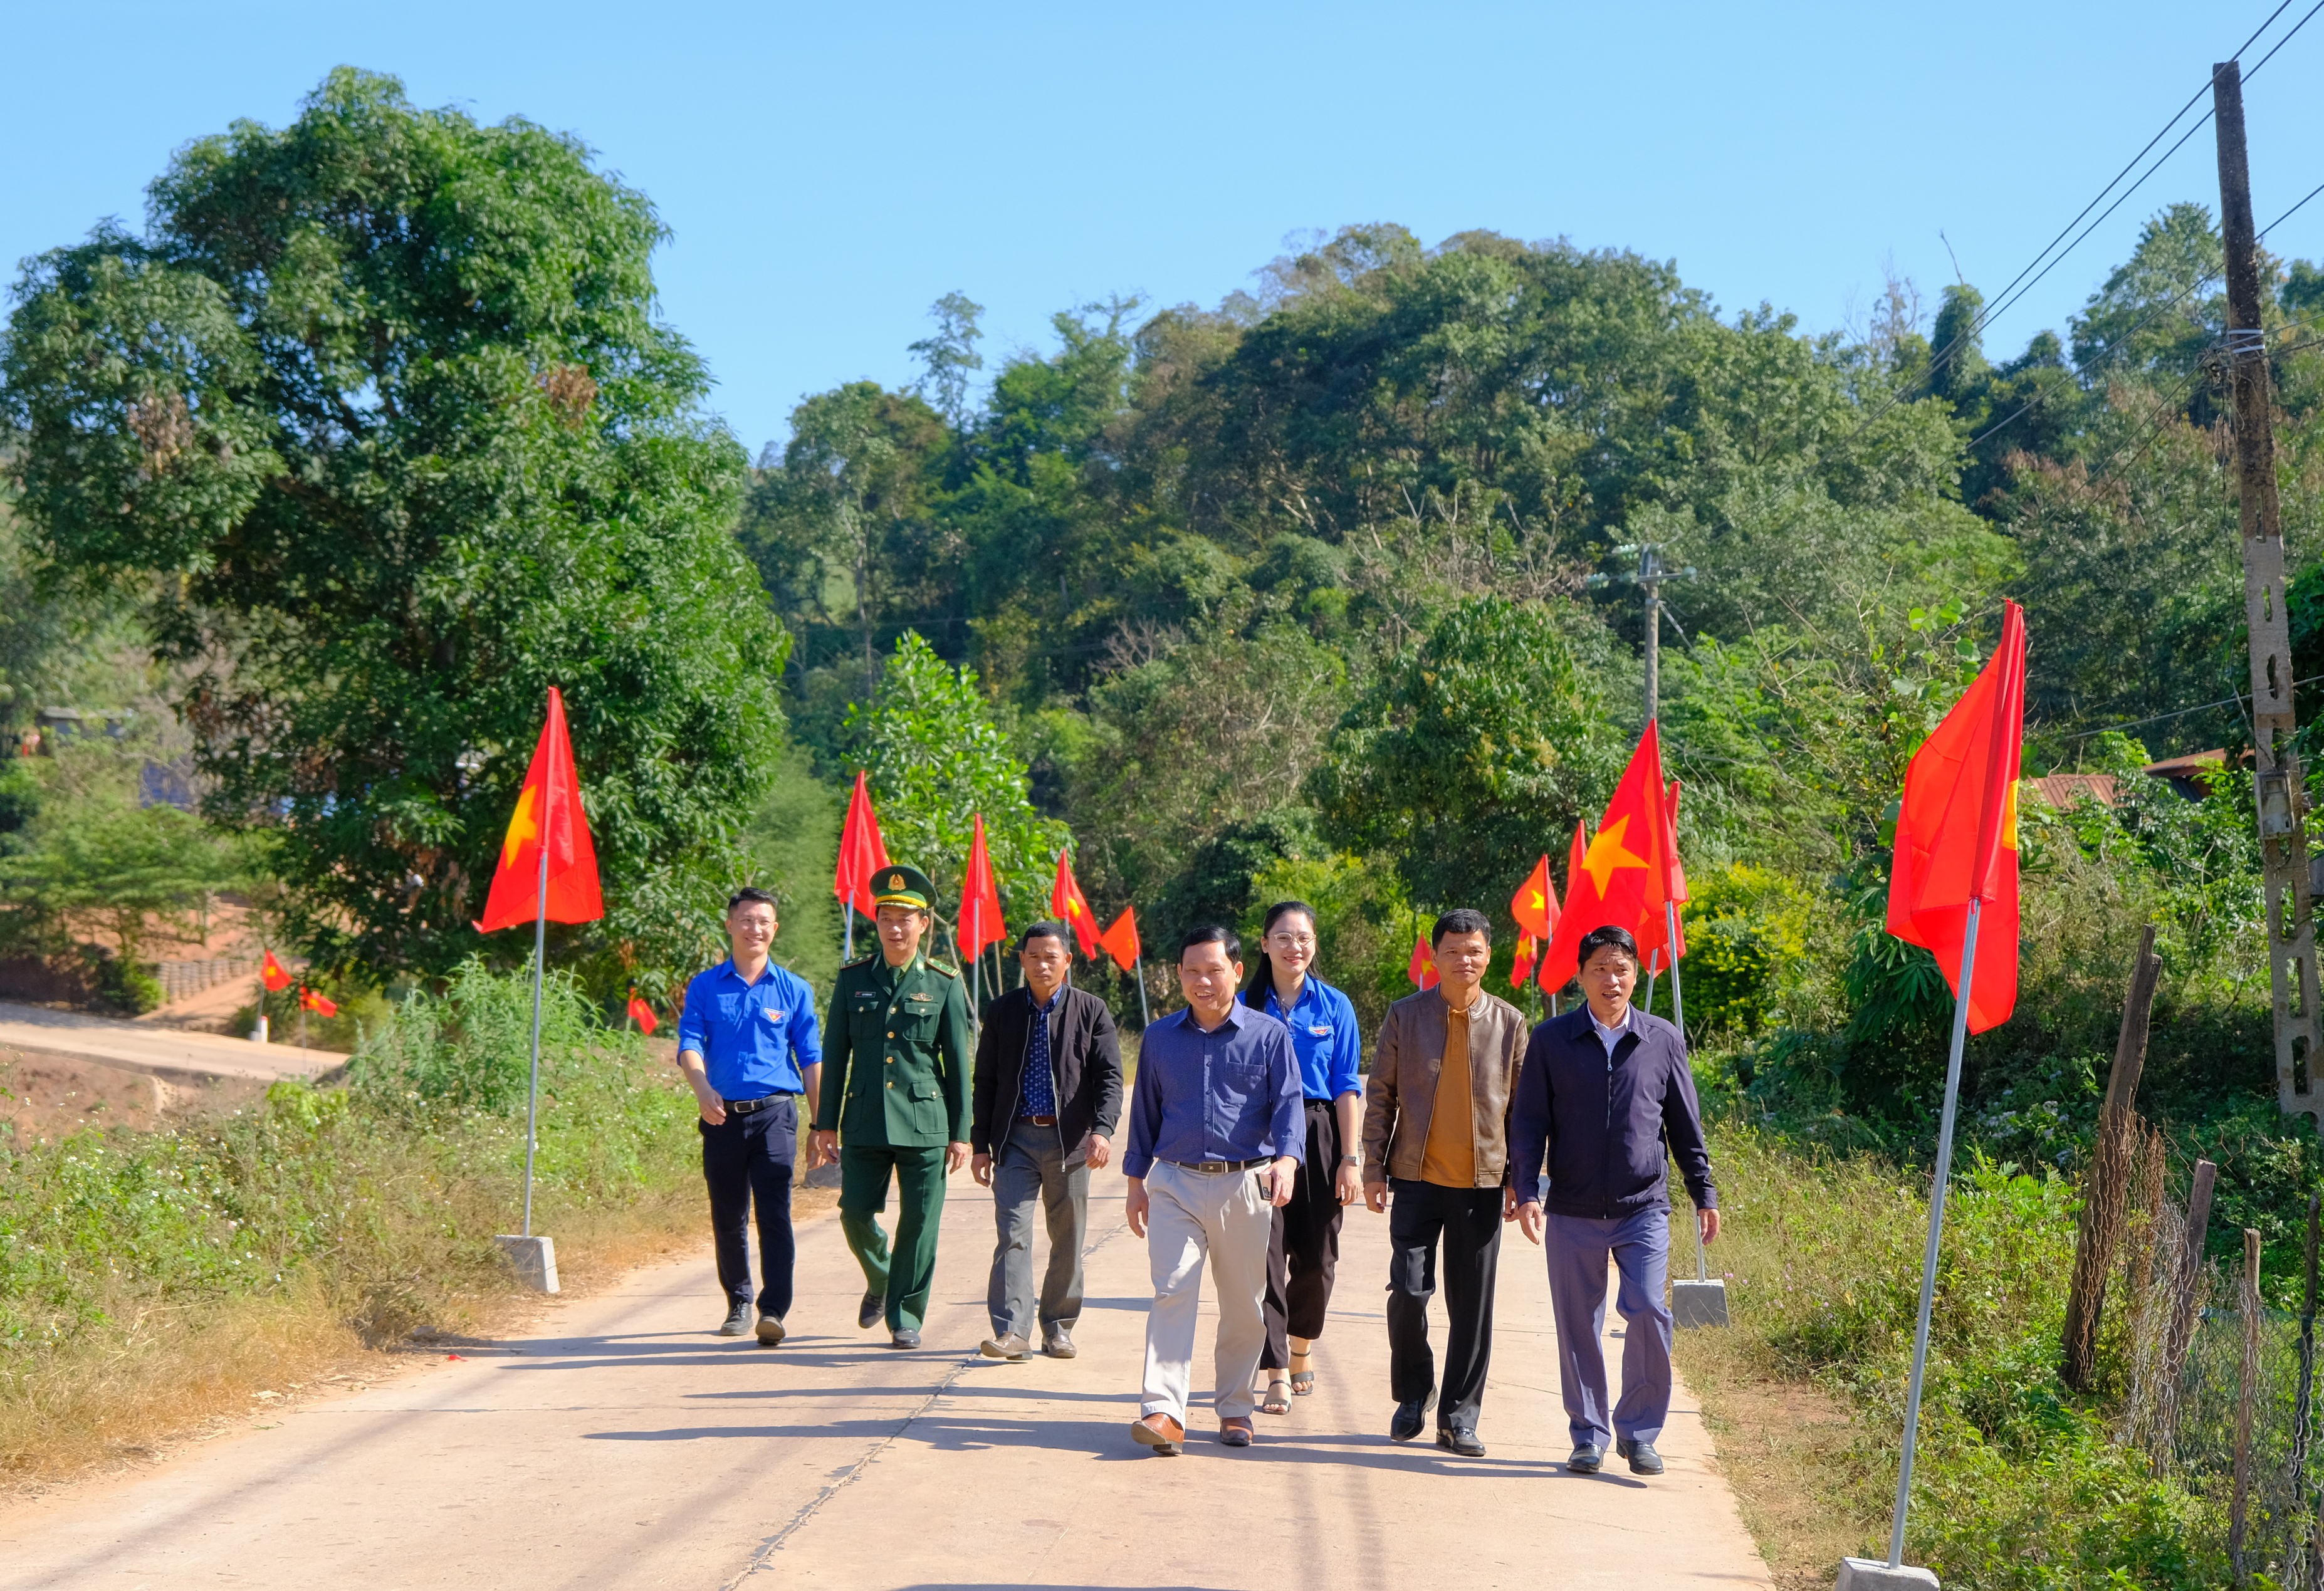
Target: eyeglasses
x=1293, y=940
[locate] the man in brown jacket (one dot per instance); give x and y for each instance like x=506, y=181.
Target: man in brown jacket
x=1436, y=1136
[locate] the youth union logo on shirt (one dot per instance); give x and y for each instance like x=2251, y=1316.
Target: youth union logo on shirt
x=771, y=1015
x=1322, y=1032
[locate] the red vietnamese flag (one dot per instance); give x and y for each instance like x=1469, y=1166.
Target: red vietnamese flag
x=1535, y=904
x=641, y=1014
x=273, y=974
x=548, y=817
x=1670, y=887
x=316, y=1003
x=1521, y=968
x=1066, y=904
x=1957, y=834
x=1120, y=940
x=979, y=923
x=1423, y=971
x=861, y=851
x=1620, y=877
x=1576, y=855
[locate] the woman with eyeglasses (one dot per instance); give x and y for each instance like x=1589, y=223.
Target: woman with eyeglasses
x=1305, y=1249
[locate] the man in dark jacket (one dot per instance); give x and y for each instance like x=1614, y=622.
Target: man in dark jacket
x=1601, y=1089
x=1048, y=1095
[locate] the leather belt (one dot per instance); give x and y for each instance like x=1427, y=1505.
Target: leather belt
x=1212, y=1168
x=744, y=1106
x=1039, y=1120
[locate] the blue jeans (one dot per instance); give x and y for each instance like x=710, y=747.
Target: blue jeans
x=1578, y=1248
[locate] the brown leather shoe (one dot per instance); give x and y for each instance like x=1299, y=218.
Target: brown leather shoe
x=1159, y=1432
x=1235, y=1432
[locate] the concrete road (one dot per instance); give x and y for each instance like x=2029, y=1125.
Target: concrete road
x=626, y=1447
x=173, y=1055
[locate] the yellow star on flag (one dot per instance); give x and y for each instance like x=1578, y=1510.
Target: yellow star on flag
x=1607, y=857
x=523, y=825
x=1072, y=906
x=1533, y=899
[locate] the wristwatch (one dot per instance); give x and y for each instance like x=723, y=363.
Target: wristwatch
x=1350, y=1160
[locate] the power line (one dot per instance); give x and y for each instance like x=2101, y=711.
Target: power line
x=2115, y=349
x=2003, y=300
x=2237, y=700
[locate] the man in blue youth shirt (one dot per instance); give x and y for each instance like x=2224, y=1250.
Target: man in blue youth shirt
x=748, y=1045
x=1215, y=1143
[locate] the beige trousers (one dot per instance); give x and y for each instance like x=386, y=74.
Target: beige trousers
x=1226, y=1216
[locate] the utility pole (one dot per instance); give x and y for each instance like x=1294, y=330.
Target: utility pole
x=2281, y=794
x=1651, y=574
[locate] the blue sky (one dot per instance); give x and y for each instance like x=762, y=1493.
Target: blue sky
x=828, y=172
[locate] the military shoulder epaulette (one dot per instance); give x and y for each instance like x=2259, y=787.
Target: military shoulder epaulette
x=936, y=966
x=860, y=961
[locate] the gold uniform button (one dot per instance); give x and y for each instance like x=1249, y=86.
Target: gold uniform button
x=891, y=1033
x=891, y=1085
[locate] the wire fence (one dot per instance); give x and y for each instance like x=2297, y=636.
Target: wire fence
x=2221, y=1392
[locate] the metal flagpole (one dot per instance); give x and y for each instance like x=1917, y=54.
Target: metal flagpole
x=847, y=914
x=1137, y=970
x=1936, y=1227
x=1678, y=1020
x=540, y=958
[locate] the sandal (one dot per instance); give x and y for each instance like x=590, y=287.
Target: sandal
x=1303, y=1383
x=1275, y=1402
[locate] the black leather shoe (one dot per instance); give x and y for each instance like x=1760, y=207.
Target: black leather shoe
x=1462, y=1440
x=771, y=1330
x=738, y=1320
x=903, y=1336
x=1585, y=1459
x=1643, y=1459
x=1411, y=1418
x=868, y=1312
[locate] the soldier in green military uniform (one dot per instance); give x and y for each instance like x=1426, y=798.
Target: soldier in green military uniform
x=896, y=1063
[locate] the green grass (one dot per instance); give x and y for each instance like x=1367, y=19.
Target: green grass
x=365, y=1210
x=2017, y=1487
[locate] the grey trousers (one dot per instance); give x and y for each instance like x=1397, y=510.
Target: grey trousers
x=1224, y=1217
x=1031, y=1165
x=1578, y=1248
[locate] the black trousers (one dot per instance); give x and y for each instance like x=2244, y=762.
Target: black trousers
x=1303, y=1251
x=1467, y=1221
x=748, y=1159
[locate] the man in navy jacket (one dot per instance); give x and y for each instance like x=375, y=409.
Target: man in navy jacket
x=1603, y=1086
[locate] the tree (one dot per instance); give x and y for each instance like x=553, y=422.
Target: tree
x=380, y=400
x=950, y=355
x=1471, y=754
x=936, y=761
x=107, y=864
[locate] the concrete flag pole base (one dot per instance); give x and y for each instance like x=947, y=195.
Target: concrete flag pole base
x=1869, y=1574
x=535, y=1259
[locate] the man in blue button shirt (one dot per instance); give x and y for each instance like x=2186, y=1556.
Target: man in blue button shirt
x=748, y=1045
x=1215, y=1143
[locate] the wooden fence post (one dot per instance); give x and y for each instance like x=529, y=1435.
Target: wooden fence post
x=2188, y=1290
x=2239, y=1515
x=2106, y=1187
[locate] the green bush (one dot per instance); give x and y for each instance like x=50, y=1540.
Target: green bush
x=2016, y=1486
x=386, y=1191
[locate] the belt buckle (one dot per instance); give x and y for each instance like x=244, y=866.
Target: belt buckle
x=1215, y=1167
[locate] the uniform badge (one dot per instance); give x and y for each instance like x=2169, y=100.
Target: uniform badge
x=771, y=1015
x=1325, y=1031
x=895, y=881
